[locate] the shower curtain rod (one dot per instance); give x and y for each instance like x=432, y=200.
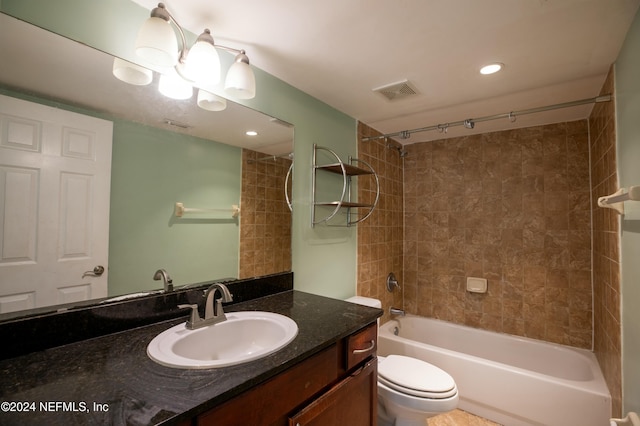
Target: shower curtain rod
x=470, y=122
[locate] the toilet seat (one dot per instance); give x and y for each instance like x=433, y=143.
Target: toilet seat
x=415, y=377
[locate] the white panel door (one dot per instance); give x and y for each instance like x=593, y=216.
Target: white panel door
x=55, y=175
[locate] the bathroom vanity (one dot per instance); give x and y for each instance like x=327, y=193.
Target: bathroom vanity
x=334, y=387
x=326, y=375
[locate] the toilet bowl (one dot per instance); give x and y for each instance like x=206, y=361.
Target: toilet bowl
x=410, y=390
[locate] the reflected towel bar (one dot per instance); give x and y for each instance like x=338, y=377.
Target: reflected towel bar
x=181, y=210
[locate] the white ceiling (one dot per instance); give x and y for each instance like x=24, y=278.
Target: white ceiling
x=554, y=51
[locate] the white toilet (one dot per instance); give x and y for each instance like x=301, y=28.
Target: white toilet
x=410, y=390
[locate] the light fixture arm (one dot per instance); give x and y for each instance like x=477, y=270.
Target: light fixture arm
x=241, y=55
x=162, y=12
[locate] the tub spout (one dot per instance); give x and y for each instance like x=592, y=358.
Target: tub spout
x=396, y=311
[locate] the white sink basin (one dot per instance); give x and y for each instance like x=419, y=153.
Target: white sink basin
x=243, y=337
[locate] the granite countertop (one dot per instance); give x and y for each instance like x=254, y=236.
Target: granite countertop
x=111, y=380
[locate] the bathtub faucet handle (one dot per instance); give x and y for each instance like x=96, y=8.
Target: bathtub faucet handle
x=392, y=282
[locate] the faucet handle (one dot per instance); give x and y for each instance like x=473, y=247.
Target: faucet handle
x=195, y=316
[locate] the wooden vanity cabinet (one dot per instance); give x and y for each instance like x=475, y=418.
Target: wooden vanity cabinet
x=334, y=387
x=352, y=401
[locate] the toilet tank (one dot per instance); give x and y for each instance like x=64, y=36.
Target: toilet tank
x=366, y=301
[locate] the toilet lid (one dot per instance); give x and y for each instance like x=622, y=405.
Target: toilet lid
x=415, y=377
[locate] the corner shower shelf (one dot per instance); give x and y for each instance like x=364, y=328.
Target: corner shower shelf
x=348, y=171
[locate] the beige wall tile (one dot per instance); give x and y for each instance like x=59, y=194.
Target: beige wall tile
x=265, y=219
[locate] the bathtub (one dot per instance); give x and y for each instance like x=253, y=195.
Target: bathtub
x=507, y=379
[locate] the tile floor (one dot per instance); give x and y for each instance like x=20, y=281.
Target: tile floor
x=459, y=418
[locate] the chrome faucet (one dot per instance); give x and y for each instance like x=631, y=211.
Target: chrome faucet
x=396, y=311
x=216, y=314
x=212, y=314
x=163, y=275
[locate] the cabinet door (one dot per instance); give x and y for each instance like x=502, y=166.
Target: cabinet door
x=353, y=402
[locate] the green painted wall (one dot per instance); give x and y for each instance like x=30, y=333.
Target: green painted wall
x=154, y=169
x=627, y=73
x=324, y=260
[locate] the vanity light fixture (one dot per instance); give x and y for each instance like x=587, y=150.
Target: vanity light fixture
x=199, y=65
x=240, y=81
x=251, y=133
x=491, y=68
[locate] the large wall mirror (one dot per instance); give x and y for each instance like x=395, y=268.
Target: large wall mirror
x=163, y=152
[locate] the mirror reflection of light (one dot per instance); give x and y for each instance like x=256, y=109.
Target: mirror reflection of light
x=131, y=73
x=211, y=102
x=172, y=86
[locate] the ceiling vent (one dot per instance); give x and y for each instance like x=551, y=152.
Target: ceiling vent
x=396, y=91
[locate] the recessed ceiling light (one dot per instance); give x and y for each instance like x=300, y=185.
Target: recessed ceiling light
x=491, y=68
x=251, y=133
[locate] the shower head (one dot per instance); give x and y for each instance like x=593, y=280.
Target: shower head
x=403, y=152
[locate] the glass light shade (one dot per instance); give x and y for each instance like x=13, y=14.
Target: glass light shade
x=203, y=64
x=240, y=82
x=211, y=102
x=131, y=73
x=157, y=43
x=174, y=87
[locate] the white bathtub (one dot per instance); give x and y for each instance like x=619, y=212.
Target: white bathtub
x=508, y=379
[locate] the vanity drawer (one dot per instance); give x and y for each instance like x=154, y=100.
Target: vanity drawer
x=269, y=402
x=362, y=345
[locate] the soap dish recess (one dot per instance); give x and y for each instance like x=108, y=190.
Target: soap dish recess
x=476, y=285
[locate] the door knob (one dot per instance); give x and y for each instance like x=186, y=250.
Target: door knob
x=97, y=271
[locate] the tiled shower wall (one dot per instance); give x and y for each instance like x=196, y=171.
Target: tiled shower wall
x=265, y=219
x=606, y=243
x=512, y=207
x=380, y=237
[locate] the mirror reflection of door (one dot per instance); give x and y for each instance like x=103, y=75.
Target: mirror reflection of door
x=55, y=173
